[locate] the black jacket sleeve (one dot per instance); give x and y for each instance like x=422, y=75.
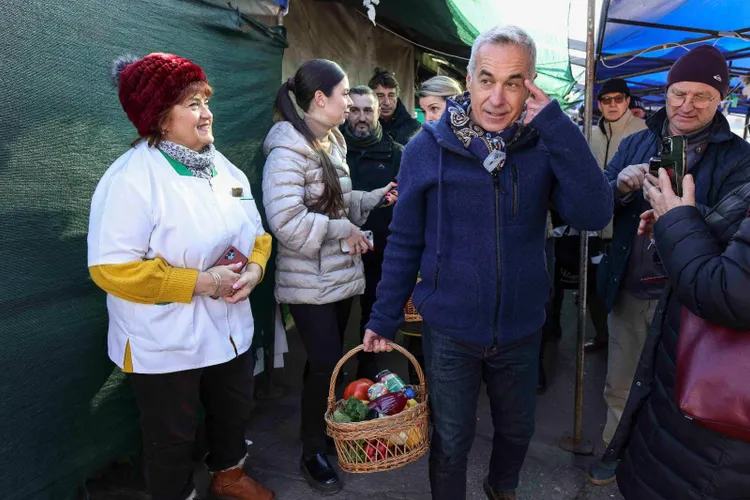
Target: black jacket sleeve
x=712, y=281
x=398, y=150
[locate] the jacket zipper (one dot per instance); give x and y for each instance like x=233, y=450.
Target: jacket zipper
x=514, y=171
x=606, y=151
x=498, y=187
x=226, y=233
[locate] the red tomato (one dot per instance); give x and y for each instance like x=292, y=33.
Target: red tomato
x=376, y=450
x=358, y=389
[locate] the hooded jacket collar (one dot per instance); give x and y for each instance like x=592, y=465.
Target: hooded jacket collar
x=611, y=129
x=400, y=116
x=443, y=133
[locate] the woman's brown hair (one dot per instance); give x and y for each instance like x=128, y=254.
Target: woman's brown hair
x=314, y=75
x=192, y=88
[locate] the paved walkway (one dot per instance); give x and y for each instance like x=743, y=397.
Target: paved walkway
x=549, y=473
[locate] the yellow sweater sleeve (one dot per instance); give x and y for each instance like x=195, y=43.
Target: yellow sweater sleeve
x=261, y=253
x=146, y=282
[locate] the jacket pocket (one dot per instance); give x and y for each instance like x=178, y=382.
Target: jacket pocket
x=167, y=327
x=453, y=302
x=514, y=174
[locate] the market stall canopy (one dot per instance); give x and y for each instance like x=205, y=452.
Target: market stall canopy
x=449, y=27
x=639, y=41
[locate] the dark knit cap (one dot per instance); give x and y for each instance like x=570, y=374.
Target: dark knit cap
x=150, y=85
x=612, y=86
x=635, y=102
x=703, y=64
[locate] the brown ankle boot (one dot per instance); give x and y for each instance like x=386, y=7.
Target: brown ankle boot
x=234, y=484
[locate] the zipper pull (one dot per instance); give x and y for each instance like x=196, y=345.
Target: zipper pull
x=496, y=178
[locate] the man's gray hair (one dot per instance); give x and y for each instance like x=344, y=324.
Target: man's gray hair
x=504, y=35
x=363, y=90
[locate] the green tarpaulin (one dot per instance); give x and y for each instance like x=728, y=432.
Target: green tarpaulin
x=64, y=409
x=450, y=26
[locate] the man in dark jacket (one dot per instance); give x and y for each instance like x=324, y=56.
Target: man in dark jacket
x=631, y=276
x=474, y=189
x=395, y=119
x=373, y=159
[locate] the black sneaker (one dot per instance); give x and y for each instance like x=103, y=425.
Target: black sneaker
x=602, y=472
x=320, y=474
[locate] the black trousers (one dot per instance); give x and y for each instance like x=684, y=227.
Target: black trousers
x=596, y=308
x=373, y=262
x=168, y=404
x=322, y=330
x=413, y=344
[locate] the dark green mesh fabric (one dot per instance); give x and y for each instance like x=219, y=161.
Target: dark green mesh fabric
x=64, y=409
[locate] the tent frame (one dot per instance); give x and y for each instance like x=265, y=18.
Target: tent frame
x=712, y=35
x=574, y=442
x=708, y=35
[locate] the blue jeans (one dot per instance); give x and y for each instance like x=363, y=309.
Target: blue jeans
x=455, y=371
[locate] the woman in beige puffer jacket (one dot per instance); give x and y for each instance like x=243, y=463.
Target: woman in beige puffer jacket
x=310, y=267
x=312, y=209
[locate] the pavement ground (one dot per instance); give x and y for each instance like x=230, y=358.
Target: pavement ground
x=549, y=473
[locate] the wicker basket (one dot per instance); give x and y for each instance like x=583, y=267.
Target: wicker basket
x=411, y=315
x=353, y=439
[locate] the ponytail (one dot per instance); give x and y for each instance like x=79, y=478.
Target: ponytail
x=320, y=74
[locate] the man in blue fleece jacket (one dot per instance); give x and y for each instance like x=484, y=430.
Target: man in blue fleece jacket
x=474, y=189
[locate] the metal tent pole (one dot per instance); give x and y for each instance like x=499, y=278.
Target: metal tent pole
x=576, y=443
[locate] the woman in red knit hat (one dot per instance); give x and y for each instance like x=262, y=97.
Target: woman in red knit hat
x=171, y=223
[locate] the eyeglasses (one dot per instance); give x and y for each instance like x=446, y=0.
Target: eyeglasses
x=619, y=99
x=677, y=98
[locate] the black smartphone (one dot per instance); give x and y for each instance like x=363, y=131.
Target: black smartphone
x=673, y=159
x=383, y=200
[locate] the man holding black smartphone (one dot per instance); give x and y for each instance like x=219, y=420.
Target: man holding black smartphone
x=374, y=159
x=631, y=277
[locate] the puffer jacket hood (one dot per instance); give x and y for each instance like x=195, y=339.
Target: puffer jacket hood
x=310, y=266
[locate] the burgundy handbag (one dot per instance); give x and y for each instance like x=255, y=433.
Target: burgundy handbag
x=713, y=375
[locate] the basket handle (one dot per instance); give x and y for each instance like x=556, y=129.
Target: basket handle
x=361, y=347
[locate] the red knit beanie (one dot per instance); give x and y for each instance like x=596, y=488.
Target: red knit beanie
x=703, y=64
x=150, y=85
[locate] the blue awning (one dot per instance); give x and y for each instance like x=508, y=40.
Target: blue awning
x=640, y=40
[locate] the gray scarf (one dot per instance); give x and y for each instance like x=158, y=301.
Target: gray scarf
x=200, y=163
